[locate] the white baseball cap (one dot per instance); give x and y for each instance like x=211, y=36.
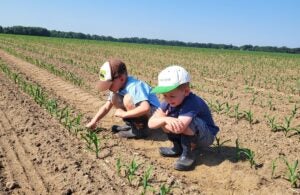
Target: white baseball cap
x=170, y=78
x=109, y=71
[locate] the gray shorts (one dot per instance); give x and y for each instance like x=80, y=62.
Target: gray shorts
x=204, y=137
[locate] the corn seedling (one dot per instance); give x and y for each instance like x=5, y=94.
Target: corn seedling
x=293, y=174
x=218, y=107
x=146, y=178
x=294, y=111
x=272, y=123
x=249, y=117
x=164, y=190
x=92, y=142
x=227, y=108
x=237, y=114
x=15, y=77
x=76, y=124
x=51, y=106
x=245, y=153
x=287, y=125
x=119, y=165
x=254, y=97
x=270, y=104
x=131, y=170
x=219, y=144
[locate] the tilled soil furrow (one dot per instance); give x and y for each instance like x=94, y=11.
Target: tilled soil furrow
x=52, y=151
x=61, y=88
x=32, y=176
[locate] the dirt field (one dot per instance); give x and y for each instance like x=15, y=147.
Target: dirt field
x=39, y=156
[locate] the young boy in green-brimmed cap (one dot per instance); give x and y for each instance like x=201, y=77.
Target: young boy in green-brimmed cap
x=184, y=116
x=131, y=97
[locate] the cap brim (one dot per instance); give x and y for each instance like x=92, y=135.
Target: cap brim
x=163, y=89
x=103, y=85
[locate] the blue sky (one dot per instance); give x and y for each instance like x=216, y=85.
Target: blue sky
x=237, y=22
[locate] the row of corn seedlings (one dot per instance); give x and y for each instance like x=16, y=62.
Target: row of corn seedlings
x=50, y=67
x=64, y=115
x=233, y=111
x=73, y=124
x=130, y=172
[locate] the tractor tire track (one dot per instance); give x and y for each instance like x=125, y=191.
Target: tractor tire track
x=20, y=168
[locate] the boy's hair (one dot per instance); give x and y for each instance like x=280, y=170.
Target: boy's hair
x=184, y=86
x=117, y=67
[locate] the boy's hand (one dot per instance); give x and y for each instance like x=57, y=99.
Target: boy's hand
x=120, y=113
x=91, y=125
x=174, y=125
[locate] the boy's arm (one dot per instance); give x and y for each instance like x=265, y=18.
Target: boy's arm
x=160, y=119
x=103, y=110
x=175, y=125
x=142, y=109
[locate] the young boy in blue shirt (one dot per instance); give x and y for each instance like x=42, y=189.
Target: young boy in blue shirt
x=131, y=97
x=184, y=116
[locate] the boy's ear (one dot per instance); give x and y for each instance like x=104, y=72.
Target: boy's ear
x=123, y=78
x=187, y=91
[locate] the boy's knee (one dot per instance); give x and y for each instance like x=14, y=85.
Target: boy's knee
x=117, y=101
x=128, y=102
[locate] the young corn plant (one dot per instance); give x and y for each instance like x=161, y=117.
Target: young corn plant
x=294, y=111
x=219, y=144
x=249, y=117
x=237, y=114
x=293, y=174
x=146, y=178
x=272, y=123
x=92, y=142
x=227, y=108
x=76, y=124
x=131, y=170
x=286, y=127
x=245, y=153
x=119, y=166
x=52, y=106
x=164, y=189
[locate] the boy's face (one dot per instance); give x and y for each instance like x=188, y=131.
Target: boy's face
x=176, y=96
x=117, y=83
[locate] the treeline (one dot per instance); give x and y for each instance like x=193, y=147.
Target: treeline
x=38, y=31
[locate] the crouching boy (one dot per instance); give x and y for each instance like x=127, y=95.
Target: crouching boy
x=184, y=116
x=131, y=97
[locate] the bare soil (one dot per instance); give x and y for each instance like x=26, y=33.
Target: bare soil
x=39, y=156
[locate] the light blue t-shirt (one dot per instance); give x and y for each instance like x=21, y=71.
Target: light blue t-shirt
x=139, y=91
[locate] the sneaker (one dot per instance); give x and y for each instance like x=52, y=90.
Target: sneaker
x=118, y=128
x=185, y=163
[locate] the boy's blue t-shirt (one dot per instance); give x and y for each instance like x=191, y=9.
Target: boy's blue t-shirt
x=139, y=91
x=192, y=106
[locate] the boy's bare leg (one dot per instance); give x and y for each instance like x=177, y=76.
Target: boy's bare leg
x=138, y=127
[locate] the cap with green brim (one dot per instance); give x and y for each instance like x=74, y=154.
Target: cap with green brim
x=164, y=89
x=170, y=78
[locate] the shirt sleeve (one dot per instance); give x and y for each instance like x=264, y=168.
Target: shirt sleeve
x=139, y=93
x=189, y=108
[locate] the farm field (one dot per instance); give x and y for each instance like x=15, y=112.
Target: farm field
x=48, y=94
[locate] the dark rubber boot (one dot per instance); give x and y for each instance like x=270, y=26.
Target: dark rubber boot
x=187, y=159
x=176, y=150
